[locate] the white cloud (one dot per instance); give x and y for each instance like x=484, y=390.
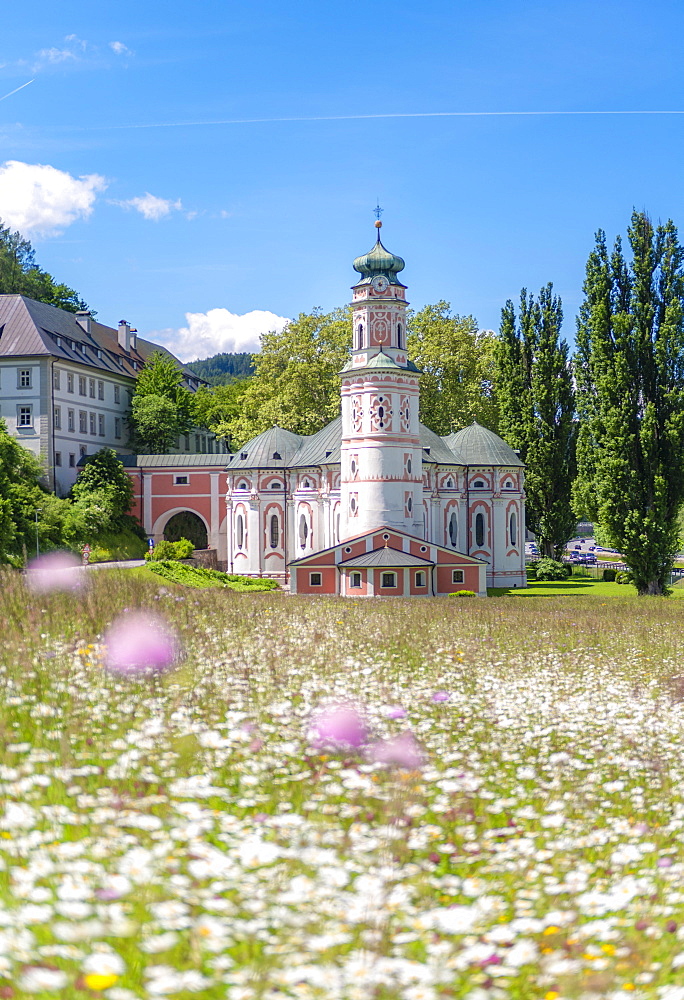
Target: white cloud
x=36, y=198
x=54, y=56
x=218, y=331
x=151, y=207
x=120, y=49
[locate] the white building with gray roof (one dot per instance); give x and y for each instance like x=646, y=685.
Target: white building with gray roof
x=66, y=382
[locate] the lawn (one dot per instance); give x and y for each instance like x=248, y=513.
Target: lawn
x=499, y=816
x=575, y=586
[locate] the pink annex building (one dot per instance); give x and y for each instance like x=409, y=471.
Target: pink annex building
x=374, y=504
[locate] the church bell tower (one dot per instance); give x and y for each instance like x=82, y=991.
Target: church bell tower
x=381, y=457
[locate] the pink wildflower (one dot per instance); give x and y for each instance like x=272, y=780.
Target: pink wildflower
x=402, y=751
x=339, y=724
x=395, y=712
x=54, y=571
x=441, y=696
x=140, y=643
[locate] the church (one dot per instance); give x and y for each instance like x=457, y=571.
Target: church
x=375, y=503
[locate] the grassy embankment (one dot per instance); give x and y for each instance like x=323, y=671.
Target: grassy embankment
x=181, y=836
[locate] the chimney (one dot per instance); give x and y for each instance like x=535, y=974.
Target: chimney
x=83, y=319
x=134, y=339
x=124, y=336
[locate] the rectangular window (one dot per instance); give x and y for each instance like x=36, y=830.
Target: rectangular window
x=93, y=423
x=56, y=378
x=82, y=385
x=70, y=382
x=25, y=416
x=117, y=393
x=180, y=480
x=355, y=580
x=72, y=460
x=58, y=458
x=197, y=444
x=315, y=579
x=187, y=442
x=91, y=388
x=457, y=576
x=389, y=580
x=24, y=378
x=100, y=389
x=58, y=418
x=71, y=420
x=82, y=422
x=117, y=427
x=420, y=578
x=101, y=424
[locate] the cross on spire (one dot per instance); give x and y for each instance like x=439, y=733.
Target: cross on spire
x=377, y=211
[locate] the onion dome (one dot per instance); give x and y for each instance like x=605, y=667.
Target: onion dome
x=379, y=261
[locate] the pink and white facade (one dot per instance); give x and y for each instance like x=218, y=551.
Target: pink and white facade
x=375, y=503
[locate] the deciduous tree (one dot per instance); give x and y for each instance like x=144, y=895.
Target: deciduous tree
x=296, y=377
x=161, y=407
x=457, y=364
x=630, y=389
x=536, y=413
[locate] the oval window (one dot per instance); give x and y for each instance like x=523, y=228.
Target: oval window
x=275, y=531
x=409, y=466
x=479, y=530
x=409, y=505
x=240, y=531
x=513, y=529
x=453, y=528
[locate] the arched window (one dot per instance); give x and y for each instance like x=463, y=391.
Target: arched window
x=398, y=334
x=275, y=531
x=240, y=531
x=479, y=530
x=359, y=334
x=453, y=528
x=478, y=484
x=513, y=529
x=337, y=527
x=303, y=530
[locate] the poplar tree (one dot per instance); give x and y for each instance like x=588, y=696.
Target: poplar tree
x=536, y=413
x=630, y=387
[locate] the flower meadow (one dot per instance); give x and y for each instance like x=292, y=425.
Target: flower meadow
x=220, y=795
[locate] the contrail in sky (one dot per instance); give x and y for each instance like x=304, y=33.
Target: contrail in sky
x=16, y=90
x=409, y=114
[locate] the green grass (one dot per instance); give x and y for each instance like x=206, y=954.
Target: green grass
x=575, y=586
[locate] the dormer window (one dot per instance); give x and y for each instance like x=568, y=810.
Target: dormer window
x=277, y=456
x=243, y=455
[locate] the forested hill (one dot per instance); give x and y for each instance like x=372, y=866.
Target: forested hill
x=221, y=369
x=20, y=275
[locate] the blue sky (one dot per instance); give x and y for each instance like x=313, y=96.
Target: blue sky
x=193, y=231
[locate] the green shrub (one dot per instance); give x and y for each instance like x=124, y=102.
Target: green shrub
x=113, y=546
x=624, y=576
x=609, y=575
x=163, y=550
x=463, y=593
x=198, y=576
x=553, y=569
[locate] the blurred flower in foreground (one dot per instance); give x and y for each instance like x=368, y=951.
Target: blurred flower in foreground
x=402, y=751
x=395, y=712
x=54, y=571
x=139, y=642
x=339, y=724
x=440, y=696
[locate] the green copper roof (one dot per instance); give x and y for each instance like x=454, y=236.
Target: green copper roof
x=274, y=449
x=475, y=445
x=380, y=360
x=322, y=448
x=379, y=261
